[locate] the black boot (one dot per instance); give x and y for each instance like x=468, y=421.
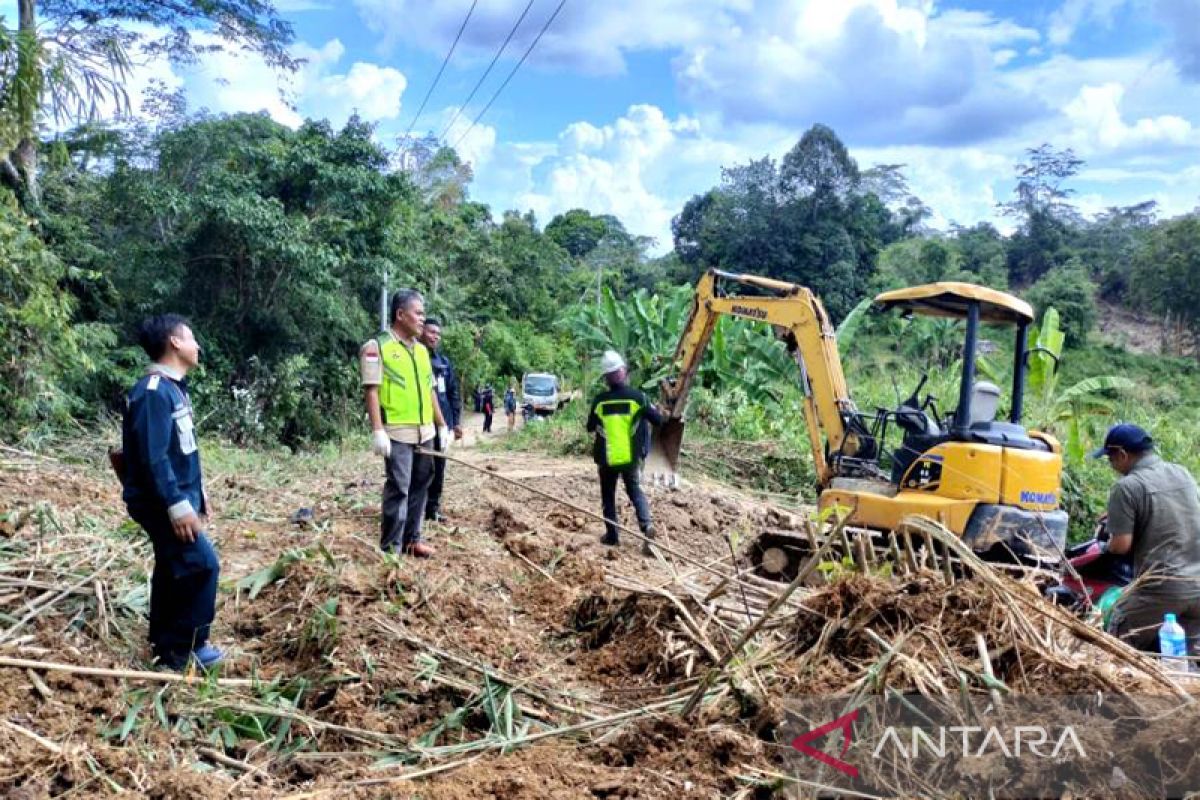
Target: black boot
x=610, y=539
x=648, y=532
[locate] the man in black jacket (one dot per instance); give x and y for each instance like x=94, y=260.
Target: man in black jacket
x=164, y=493
x=446, y=385
x=618, y=417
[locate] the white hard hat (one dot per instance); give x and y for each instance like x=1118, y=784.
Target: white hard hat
x=611, y=362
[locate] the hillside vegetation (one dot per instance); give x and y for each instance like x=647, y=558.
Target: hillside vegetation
x=276, y=243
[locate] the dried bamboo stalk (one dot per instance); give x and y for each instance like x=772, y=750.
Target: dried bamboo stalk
x=103, y=672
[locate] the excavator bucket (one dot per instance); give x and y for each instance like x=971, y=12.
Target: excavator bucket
x=662, y=462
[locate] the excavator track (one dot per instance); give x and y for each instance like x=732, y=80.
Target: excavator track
x=778, y=554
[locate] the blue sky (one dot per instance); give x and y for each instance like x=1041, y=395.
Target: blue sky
x=632, y=106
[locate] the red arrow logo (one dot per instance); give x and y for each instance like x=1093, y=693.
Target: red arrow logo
x=846, y=723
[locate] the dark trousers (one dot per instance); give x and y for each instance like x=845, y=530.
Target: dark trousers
x=408, y=474
x=433, y=502
x=1139, y=613
x=633, y=488
x=183, y=588
x=487, y=420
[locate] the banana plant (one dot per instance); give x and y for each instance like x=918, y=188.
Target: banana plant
x=1066, y=412
x=646, y=327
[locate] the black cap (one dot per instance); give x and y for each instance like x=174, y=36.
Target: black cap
x=1125, y=436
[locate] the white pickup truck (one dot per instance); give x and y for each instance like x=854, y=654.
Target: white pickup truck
x=543, y=391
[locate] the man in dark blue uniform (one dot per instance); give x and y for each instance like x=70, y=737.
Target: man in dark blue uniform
x=445, y=383
x=164, y=492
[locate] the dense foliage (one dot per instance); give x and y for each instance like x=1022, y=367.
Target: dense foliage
x=276, y=242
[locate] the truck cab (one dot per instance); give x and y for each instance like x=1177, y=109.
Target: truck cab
x=542, y=391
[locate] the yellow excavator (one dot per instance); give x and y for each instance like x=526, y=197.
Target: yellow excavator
x=990, y=481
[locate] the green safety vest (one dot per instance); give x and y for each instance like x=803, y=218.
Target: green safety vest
x=407, y=381
x=619, y=418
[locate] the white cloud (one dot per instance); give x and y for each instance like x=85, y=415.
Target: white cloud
x=961, y=185
x=591, y=37
x=640, y=167
x=230, y=82
x=1066, y=21
x=1096, y=113
x=877, y=71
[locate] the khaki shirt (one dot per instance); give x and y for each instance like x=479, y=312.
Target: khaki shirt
x=370, y=365
x=1158, y=503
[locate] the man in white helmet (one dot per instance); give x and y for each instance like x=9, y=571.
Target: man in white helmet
x=618, y=418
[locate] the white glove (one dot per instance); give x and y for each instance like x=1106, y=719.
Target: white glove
x=444, y=438
x=381, y=443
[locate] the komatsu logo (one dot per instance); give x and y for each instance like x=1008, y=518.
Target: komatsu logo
x=753, y=313
x=1039, y=498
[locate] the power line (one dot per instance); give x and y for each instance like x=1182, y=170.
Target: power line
x=536, y=39
x=445, y=61
x=487, y=71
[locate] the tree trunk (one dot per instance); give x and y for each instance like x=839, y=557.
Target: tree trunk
x=25, y=157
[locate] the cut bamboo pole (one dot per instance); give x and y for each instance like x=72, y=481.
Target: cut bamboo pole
x=986, y=661
x=28, y=734
x=130, y=674
x=697, y=695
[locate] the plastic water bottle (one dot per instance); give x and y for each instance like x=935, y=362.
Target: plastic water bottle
x=1172, y=644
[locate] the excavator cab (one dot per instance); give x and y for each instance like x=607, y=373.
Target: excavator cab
x=974, y=415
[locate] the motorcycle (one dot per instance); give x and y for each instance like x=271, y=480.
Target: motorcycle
x=1094, y=578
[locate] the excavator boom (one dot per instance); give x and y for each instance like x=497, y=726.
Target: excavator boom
x=800, y=320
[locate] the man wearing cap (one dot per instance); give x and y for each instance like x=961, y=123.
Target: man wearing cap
x=618, y=417
x=1153, y=513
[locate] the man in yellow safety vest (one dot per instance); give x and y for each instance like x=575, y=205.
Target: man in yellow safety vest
x=618, y=418
x=397, y=376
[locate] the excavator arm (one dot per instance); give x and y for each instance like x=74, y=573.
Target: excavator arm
x=800, y=320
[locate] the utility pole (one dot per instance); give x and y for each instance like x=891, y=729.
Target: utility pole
x=383, y=302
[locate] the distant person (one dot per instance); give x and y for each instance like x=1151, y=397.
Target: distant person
x=1153, y=513
x=488, y=408
x=446, y=385
x=510, y=406
x=403, y=408
x=164, y=493
x=616, y=417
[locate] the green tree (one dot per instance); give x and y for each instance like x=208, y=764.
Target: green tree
x=41, y=351
x=1165, y=276
x=578, y=231
x=71, y=58
x=1041, y=205
x=1070, y=290
x=810, y=222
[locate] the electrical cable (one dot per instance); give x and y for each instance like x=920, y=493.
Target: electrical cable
x=442, y=69
x=487, y=71
x=537, y=39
